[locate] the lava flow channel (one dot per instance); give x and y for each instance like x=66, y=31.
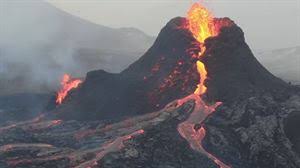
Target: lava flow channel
x=201, y=24
x=67, y=84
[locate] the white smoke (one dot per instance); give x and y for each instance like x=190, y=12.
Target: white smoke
x=29, y=44
x=38, y=43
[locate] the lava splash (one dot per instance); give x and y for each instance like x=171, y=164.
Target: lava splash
x=201, y=24
x=67, y=84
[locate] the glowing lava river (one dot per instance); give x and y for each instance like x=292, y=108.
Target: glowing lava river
x=200, y=23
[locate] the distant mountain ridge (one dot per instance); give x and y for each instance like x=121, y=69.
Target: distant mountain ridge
x=284, y=63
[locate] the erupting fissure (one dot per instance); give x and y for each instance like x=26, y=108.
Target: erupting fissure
x=67, y=84
x=201, y=24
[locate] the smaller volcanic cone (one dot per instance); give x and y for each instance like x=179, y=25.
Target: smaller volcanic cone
x=67, y=84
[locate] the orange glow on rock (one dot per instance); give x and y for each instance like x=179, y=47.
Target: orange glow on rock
x=56, y=122
x=67, y=84
x=201, y=25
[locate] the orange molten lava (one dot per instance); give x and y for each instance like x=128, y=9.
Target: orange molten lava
x=201, y=88
x=201, y=24
x=67, y=84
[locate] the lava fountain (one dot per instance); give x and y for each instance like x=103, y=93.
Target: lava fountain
x=67, y=84
x=201, y=24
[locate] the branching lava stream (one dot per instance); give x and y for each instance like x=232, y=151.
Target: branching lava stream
x=200, y=23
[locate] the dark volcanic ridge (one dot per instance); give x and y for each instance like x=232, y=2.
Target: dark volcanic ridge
x=167, y=72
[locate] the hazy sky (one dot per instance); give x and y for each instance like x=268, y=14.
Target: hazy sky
x=267, y=23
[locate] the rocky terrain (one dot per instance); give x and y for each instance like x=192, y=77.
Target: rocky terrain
x=20, y=107
x=69, y=144
x=247, y=133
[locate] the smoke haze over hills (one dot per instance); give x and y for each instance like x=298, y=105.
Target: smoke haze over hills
x=284, y=63
x=268, y=24
x=39, y=43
